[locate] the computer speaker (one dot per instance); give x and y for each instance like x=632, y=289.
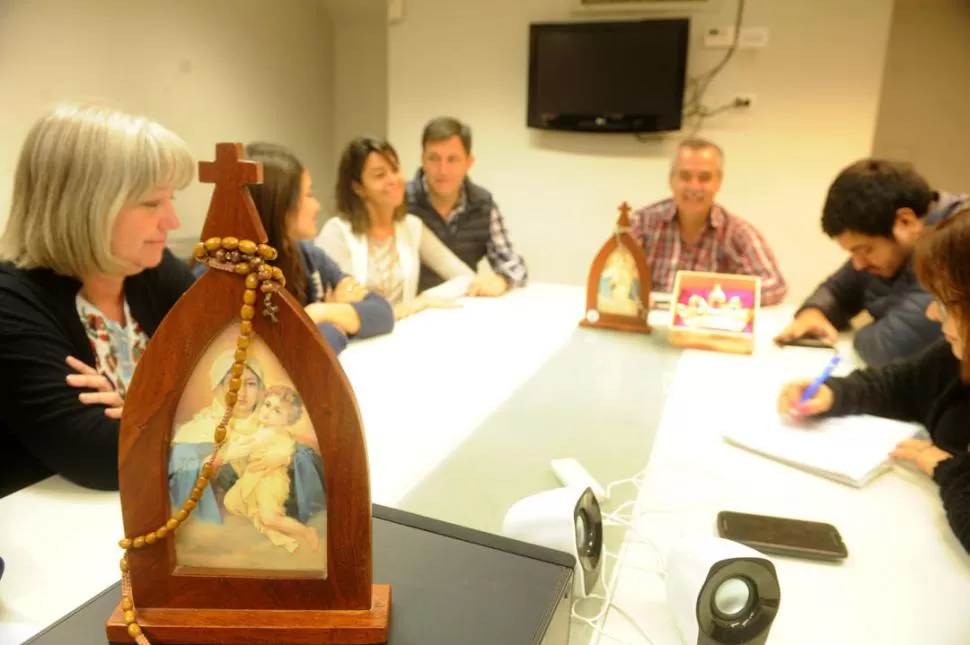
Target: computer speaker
x=566, y=519
x=721, y=592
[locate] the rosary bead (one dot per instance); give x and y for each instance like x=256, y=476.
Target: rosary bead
x=247, y=312
x=267, y=287
x=150, y=538
x=242, y=268
x=248, y=247
x=201, y=482
x=230, y=243
x=181, y=515
x=124, y=564
x=237, y=370
x=199, y=251
x=207, y=471
x=278, y=275
x=189, y=505
x=265, y=273
x=172, y=524
x=240, y=355
x=129, y=617
x=243, y=341
x=138, y=542
x=233, y=256
x=231, y=398
x=134, y=630
x=267, y=252
x=235, y=383
x=249, y=296
x=161, y=533
x=196, y=494
x=213, y=244
x=220, y=256
x=246, y=326
x=125, y=544
x=252, y=281
x=126, y=604
x=220, y=435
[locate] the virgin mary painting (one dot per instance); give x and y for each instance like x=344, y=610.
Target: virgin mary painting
x=265, y=506
x=619, y=284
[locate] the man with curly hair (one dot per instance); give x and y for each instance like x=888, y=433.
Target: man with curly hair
x=876, y=209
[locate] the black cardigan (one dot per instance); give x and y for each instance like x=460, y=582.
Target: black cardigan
x=44, y=428
x=927, y=389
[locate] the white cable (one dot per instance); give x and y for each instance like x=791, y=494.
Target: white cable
x=635, y=535
x=613, y=519
x=590, y=621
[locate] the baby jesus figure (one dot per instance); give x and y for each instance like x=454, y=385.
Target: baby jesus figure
x=260, y=495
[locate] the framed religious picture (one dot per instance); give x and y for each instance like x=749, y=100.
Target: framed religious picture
x=715, y=311
x=238, y=526
x=618, y=286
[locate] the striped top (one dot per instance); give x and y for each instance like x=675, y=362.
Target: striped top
x=384, y=273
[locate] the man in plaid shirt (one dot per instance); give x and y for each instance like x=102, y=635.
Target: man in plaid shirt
x=462, y=214
x=691, y=232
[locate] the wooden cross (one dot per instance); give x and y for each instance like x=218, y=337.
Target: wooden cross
x=231, y=210
x=623, y=222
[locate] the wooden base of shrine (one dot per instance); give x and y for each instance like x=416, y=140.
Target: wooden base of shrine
x=635, y=326
x=260, y=627
x=712, y=340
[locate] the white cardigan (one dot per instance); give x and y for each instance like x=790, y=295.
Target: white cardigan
x=350, y=252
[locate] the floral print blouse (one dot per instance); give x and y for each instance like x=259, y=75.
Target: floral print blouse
x=116, y=347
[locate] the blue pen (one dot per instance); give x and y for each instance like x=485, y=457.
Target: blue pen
x=812, y=389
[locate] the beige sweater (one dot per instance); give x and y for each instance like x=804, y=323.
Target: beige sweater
x=416, y=245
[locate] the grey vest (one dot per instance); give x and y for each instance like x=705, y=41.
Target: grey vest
x=467, y=234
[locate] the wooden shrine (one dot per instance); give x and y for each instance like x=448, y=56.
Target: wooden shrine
x=244, y=479
x=618, y=287
x=715, y=311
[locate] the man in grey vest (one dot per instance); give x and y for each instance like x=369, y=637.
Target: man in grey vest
x=876, y=210
x=462, y=214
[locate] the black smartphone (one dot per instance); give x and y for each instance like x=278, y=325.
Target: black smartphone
x=806, y=341
x=783, y=536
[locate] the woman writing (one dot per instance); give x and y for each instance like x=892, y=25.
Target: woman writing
x=334, y=301
x=932, y=388
x=374, y=239
x=85, y=280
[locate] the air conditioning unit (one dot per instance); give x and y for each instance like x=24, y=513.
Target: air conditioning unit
x=639, y=6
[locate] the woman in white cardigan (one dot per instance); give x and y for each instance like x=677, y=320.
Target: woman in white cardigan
x=374, y=239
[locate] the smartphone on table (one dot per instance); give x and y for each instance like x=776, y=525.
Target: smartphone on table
x=783, y=536
x=807, y=341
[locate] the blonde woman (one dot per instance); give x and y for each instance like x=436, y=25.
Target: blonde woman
x=85, y=280
x=375, y=240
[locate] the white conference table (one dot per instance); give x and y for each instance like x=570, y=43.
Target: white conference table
x=906, y=578
x=424, y=391
x=421, y=390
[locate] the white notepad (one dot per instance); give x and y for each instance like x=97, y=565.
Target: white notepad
x=852, y=450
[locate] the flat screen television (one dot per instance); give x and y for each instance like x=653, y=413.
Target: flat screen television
x=608, y=76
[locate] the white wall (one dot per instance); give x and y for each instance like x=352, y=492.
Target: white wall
x=926, y=93
x=213, y=70
x=817, y=87
x=360, y=80
x=359, y=71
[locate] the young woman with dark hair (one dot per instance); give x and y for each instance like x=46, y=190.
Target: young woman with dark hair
x=931, y=388
x=339, y=306
x=374, y=239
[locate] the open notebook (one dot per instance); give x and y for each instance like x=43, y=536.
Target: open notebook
x=852, y=450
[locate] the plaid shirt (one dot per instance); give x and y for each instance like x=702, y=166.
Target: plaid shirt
x=501, y=256
x=728, y=244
